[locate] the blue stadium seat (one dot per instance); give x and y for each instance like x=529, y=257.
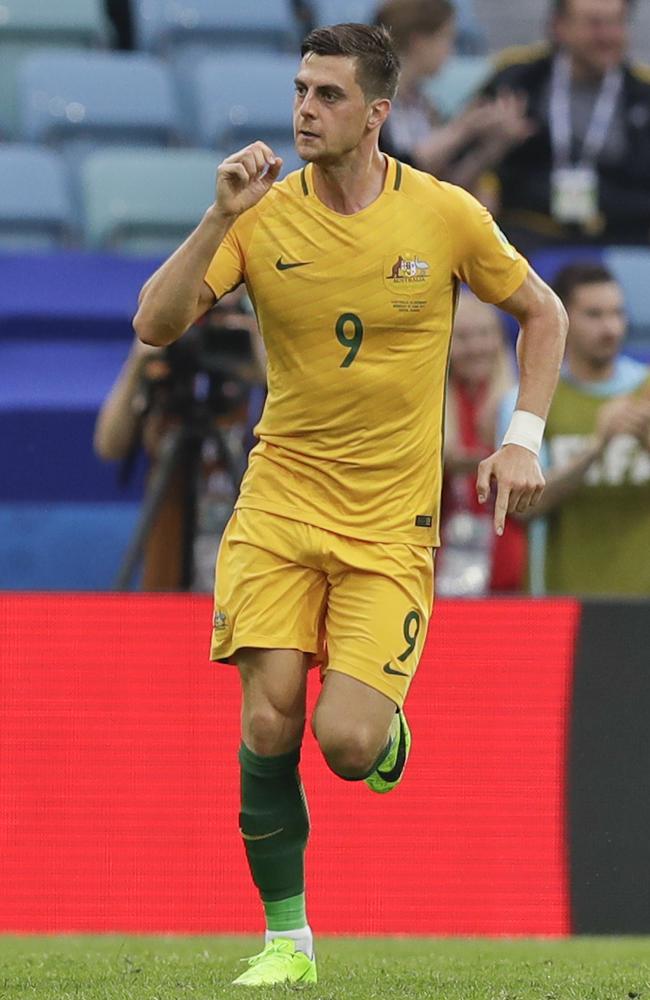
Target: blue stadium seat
x=232, y=105
x=343, y=11
x=35, y=208
x=70, y=22
x=25, y=24
x=458, y=81
x=145, y=200
x=161, y=26
x=67, y=96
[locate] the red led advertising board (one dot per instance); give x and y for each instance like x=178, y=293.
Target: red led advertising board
x=119, y=778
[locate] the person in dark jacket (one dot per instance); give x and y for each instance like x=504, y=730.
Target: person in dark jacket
x=463, y=148
x=584, y=174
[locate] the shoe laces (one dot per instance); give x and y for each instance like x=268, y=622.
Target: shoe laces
x=275, y=953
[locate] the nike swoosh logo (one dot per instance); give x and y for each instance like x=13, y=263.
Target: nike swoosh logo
x=282, y=266
x=398, y=766
x=260, y=836
x=389, y=670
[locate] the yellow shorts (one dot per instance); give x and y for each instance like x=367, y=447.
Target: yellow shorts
x=362, y=608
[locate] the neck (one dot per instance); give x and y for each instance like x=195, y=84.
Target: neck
x=584, y=72
x=353, y=183
x=586, y=370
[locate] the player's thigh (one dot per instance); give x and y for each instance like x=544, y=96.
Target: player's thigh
x=264, y=597
x=274, y=690
x=377, y=617
x=351, y=713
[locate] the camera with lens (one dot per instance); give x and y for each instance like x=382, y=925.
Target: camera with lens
x=207, y=373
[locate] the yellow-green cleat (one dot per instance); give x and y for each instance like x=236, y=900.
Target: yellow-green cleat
x=278, y=963
x=391, y=770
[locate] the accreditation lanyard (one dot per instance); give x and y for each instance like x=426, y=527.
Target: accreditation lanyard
x=574, y=186
x=560, y=116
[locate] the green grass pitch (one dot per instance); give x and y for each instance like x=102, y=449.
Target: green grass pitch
x=124, y=967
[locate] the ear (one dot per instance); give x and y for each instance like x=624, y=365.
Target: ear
x=378, y=113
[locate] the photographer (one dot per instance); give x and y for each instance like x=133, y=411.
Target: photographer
x=154, y=395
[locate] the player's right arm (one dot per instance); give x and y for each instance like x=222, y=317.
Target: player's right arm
x=176, y=295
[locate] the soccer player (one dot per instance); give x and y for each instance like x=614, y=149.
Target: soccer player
x=353, y=264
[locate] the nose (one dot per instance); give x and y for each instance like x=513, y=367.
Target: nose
x=305, y=106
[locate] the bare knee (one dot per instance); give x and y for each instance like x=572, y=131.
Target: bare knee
x=273, y=706
x=267, y=731
x=349, y=749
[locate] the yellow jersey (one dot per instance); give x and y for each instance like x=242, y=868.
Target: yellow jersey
x=356, y=313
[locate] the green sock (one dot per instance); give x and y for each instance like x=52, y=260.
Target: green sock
x=274, y=824
x=286, y=914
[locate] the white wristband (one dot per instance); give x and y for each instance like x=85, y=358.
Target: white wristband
x=526, y=430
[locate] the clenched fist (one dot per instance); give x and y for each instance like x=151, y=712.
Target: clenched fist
x=245, y=177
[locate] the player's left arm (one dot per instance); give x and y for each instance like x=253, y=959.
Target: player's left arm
x=514, y=468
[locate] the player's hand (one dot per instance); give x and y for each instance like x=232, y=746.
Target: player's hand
x=518, y=478
x=245, y=177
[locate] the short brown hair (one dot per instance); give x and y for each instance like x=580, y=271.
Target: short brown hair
x=405, y=18
x=371, y=46
x=576, y=275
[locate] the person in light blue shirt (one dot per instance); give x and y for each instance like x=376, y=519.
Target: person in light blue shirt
x=596, y=452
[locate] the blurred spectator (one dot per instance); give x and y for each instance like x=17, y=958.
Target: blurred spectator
x=472, y=559
x=596, y=451
x=582, y=175
x=462, y=149
x=154, y=394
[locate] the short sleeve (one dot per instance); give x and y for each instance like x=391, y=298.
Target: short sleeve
x=226, y=269
x=482, y=256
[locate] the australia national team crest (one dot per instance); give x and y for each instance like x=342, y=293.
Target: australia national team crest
x=220, y=621
x=407, y=273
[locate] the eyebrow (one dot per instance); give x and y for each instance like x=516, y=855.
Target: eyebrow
x=323, y=88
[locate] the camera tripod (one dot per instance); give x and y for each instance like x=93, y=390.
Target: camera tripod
x=181, y=449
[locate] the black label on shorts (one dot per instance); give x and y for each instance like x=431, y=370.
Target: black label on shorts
x=423, y=521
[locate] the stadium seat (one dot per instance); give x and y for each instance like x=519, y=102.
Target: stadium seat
x=342, y=11
x=35, y=209
x=457, y=82
x=69, y=96
x=232, y=105
x=161, y=26
x=25, y=24
x=631, y=266
x=145, y=200
x=71, y=22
